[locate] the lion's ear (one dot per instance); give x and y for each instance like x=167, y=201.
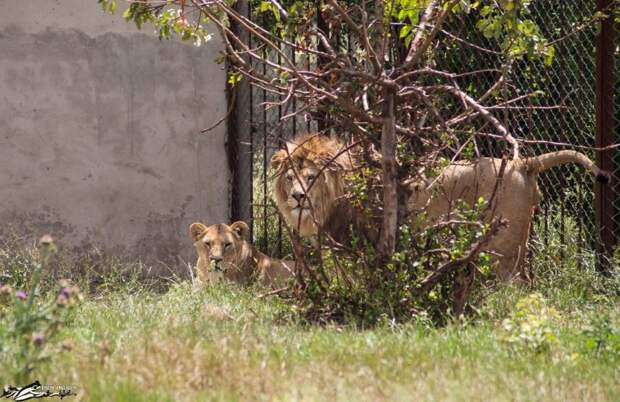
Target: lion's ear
x=291, y=147
x=241, y=229
x=278, y=158
x=196, y=230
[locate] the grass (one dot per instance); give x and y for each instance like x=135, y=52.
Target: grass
x=132, y=343
x=224, y=344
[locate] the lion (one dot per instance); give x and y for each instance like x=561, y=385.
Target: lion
x=225, y=254
x=514, y=194
x=310, y=185
x=311, y=175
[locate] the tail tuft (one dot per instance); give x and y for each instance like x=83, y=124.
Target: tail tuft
x=603, y=177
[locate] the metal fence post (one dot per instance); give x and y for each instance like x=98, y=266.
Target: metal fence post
x=605, y=196
x=240, y=136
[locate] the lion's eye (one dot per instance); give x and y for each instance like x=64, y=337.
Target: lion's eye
x=310, y=178
x=227, y=245
x=289, y=177
x=208, y=244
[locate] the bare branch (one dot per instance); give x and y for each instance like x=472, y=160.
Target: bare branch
x=484, y=113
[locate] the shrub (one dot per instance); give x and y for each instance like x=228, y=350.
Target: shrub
x=420, y=279
x=532, y=325
x=30, y=319
x=602, y=337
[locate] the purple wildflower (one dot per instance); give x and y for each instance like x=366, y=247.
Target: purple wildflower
x=62, y=300
x=38, y=339
x=21, y=295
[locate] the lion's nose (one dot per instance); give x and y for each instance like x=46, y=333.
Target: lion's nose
x=298, y=196
x=216, y=258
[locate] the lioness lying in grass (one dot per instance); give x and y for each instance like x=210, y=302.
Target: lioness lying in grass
x=224, y=253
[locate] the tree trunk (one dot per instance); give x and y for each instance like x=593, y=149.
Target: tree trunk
x=389, y=227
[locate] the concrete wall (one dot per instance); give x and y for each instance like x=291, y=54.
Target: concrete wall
x=100, y=139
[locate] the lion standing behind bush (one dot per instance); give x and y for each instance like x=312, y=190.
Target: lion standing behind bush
x=311, y=191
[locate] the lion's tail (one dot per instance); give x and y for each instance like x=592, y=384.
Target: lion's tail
x=544, y=162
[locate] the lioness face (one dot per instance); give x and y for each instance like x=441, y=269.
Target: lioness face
x=218, y=245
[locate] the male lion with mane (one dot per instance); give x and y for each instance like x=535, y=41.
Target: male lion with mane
x=310, y=190
x=310, y=185
x=225, y=254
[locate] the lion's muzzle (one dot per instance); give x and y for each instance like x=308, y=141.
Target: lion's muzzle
x=299, y=197
x=216, y=262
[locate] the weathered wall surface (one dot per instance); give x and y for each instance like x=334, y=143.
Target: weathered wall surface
x=100, y=139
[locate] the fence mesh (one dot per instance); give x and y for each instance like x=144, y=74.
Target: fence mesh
x=564, y=112
x=569, y=84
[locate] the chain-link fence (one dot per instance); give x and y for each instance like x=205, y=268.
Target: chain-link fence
x=563, y=115
x=575, y=83
x=570, y=83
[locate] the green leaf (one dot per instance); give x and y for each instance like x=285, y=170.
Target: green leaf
x=549, y=56
x=276, y=13
x=108, y=5
x=234, y=78
x=405, y=31
x=264, y=6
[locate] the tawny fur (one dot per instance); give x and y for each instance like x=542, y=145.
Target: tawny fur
x=328, y=160
x=240, y=261
x=514, y=200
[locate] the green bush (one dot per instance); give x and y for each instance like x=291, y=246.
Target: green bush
x=356, y=285
x=30, y=319
x=532, y=325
